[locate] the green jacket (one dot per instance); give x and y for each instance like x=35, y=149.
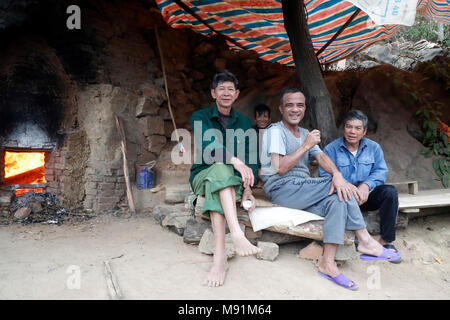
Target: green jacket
x=215, y=141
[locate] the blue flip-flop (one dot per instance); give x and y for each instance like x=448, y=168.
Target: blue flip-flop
x=387, y=254
x=391, y=246
x=341, y=280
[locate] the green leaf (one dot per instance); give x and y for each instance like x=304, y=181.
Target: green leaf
x=432, y=125
x=435, y=164
x=429, y=154
x=443, y=165
x=446, y=180
x=445, y=140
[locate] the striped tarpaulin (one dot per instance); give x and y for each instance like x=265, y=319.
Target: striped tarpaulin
x=258, y=25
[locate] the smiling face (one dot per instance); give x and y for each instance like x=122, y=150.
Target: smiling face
x=353, y=132
x=262, y=120
x=293, y=108
x=225, y=95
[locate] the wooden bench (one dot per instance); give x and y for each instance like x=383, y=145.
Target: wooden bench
x=409, y=205
x=413, y=186
x=311, y=230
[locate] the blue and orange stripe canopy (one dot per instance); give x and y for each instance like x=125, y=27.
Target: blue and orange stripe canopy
x=258, y=25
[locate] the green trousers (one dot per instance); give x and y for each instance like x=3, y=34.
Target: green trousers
x=210, y=181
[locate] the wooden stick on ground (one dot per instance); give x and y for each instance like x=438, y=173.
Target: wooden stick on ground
x=111, y=282
x=125, y=165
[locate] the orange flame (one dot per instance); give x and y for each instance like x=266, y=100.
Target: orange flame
x=25, y=168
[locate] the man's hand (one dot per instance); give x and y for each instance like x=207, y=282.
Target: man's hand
x=355, y=191
x=245, y=171
x=364, y=192
x=312, y=139
x=247, y=195
x=341, y=186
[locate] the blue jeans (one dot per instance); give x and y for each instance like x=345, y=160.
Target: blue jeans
x=311, y=194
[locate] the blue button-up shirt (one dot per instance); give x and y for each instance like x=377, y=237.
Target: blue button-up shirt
x=368, y=166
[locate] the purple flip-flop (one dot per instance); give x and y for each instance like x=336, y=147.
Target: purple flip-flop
x=341, y=280
x=388, y=255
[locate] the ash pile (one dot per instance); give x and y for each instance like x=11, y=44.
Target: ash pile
x=40, y=208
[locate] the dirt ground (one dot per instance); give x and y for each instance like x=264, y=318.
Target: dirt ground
x=66, y=262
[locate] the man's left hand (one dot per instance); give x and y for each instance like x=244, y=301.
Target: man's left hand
x=340, y=185
x=364, y=192
x=247, y=195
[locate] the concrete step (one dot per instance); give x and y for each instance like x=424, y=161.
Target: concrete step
x=169, y=173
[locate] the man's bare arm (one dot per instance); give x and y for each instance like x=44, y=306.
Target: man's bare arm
x=283, y=164
x=338, y=182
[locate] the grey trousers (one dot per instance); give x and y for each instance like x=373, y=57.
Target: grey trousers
x=311, y=194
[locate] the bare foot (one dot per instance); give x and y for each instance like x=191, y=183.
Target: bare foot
x=242, y=246
x=216, y=276
x=329, y=269
x=371, y=247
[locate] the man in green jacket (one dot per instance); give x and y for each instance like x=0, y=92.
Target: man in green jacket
x=224, y=169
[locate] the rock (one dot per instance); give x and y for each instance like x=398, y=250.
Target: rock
x=155, y=125
x=312, y=251
x=177, y=193
x=278, y=238
x=22, y=213
x=345, y=253
x=154, y=92
x=35, y=206
x=269, y=251
x=5, y=198
x=156, y=143
x=372, y=220
x=220, y=64
x=195, y=228
x=204, y=48
x=251, y=235
x=368, y=64
x=146, y=107
x=176, y=221
x=161, y=211
x=207, y=244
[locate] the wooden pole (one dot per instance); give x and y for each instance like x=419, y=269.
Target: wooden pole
x=111, y=282
x=318, y=99
x=125, y=165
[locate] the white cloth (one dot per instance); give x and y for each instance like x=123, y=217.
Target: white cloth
x=389, y=11
x=265, y=217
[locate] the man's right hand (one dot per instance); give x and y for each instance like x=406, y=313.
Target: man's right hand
x=244, y=170
x=312, y=139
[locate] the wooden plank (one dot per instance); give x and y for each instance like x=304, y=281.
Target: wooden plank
x=413, y=186
x=125, y=165
x=111, y=282
x=425, y=199
x=311, y=230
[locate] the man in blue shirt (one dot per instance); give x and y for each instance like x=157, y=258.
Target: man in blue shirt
x=362, y=164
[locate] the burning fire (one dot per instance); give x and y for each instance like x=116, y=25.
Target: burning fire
x=25, y=168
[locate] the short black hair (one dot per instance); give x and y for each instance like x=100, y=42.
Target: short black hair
x=260, y=109
x=289, y=90
x=356, y=115
x=223, y=77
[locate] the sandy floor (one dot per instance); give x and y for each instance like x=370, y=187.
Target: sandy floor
x=44, y=261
